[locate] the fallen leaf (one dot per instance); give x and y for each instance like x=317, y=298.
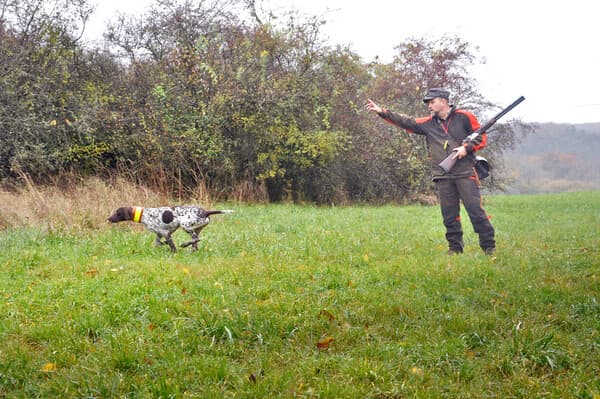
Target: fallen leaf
x=92, y=272
x=324, y=343
x=49, y=367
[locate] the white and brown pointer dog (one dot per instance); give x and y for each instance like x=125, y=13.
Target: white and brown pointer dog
x=165, y=220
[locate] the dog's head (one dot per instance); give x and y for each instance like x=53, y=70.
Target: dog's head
x=121, y=214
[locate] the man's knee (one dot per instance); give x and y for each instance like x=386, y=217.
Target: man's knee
x=452, y=222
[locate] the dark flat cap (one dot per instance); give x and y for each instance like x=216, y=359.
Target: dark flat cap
x=436, y=92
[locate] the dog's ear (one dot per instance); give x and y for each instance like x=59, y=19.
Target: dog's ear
x=126, y=212
x=167, y=217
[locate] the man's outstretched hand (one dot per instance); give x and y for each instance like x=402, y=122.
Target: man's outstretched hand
x=371, y=106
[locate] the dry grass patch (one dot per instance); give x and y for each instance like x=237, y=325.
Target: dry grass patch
x=80, y=204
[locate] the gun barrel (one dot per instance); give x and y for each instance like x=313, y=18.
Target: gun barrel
x=448, y=163
x=505, y=111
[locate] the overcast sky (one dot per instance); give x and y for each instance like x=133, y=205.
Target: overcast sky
x=546, y=51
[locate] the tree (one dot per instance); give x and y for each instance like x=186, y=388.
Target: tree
x=220, y=95
x=41, y=86
x=226, y=101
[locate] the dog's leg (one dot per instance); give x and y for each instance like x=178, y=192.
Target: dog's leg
x=196, y=236
x=158, y=242
x=169, y=241
x=195, y=239
x=193, y=243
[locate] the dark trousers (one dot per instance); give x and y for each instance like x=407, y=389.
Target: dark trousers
x=451, y=192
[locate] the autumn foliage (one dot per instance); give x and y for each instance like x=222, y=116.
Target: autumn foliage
x=216, y=96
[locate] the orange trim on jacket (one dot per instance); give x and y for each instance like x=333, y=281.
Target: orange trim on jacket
x=442, y=136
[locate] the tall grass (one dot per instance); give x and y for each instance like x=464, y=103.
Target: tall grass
x=300, y=301
x=74, y=204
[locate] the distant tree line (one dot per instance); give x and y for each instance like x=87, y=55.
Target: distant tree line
x=217, y=94
x=555, y=158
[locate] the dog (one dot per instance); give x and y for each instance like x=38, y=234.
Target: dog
x=164, y=221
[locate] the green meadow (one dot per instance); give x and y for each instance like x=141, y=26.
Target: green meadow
x=298, y=301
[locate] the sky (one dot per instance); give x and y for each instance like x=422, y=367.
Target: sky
x=547, y=51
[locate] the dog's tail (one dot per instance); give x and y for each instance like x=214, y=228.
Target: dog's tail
x=208, y=213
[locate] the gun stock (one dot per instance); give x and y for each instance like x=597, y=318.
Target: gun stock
x=448, y=163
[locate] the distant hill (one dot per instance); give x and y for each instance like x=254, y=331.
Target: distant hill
x=556, y=158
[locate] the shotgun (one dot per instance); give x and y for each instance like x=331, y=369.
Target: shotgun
x=448, y=163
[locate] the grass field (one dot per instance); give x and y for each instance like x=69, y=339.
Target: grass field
x=310, y=302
